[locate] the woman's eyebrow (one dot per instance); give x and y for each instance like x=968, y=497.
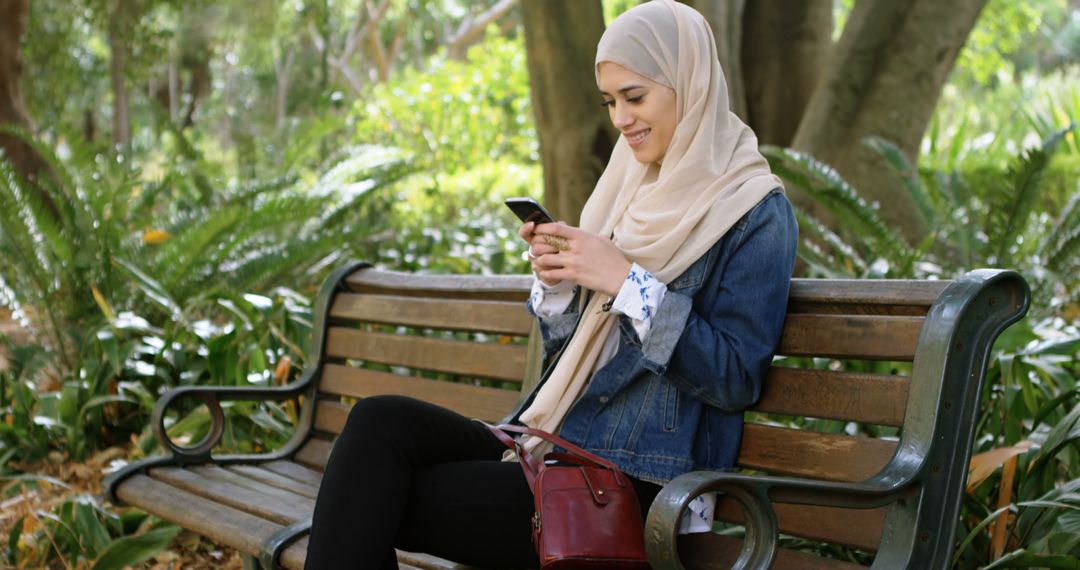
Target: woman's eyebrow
x=625, y=89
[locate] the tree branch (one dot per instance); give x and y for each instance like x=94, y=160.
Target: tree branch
x=471, y=29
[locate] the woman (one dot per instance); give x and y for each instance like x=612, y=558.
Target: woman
x=660, y=316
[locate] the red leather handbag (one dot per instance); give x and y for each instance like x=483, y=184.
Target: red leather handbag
x=587, y=512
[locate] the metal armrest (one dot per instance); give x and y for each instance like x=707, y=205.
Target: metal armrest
x=212, y=396
x=755, y=494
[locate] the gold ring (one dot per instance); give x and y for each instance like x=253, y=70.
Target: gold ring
x=557, y=242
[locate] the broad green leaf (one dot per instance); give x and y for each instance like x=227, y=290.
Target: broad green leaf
x=131, y=550
x=1025, y=559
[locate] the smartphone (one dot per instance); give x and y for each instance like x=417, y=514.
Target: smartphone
x=529, y=210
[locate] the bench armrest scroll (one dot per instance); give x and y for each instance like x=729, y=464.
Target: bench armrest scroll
x=212, y=396
x=755, y=494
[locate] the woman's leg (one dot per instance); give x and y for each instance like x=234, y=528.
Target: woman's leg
x=477, y=513
x=370, y=475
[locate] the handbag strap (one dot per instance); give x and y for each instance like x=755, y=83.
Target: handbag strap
x=530, y=465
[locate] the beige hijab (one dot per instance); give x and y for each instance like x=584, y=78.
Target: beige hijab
x=711, y=175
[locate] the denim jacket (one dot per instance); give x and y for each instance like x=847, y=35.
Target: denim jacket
x=674, y=403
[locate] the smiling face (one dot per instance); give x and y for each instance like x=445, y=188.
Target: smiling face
x=642, y=109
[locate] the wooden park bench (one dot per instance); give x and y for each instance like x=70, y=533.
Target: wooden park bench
x=465, y=342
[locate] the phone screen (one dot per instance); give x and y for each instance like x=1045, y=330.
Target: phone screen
x=529, y=210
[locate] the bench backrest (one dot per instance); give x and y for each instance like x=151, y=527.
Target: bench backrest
x=464, y=342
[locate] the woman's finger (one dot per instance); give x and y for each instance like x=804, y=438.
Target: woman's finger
x=557, y=229
x=526, y=230
x=539, y=248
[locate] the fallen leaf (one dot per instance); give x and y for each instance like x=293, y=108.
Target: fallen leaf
x=986, y=463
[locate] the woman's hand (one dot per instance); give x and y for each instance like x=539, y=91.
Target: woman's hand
x=537, y=248
x=583, y=257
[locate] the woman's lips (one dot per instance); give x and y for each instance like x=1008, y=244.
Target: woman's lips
x=637, y=139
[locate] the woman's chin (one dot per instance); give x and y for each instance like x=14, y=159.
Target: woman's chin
x=644, y=156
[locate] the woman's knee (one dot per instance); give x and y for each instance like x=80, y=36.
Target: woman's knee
x=380, y=412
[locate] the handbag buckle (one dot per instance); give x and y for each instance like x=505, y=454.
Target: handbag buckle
x=536, y=521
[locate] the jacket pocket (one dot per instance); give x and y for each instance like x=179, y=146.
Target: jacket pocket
x=671, y=407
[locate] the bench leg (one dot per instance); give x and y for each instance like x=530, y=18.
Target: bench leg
x=251, y=563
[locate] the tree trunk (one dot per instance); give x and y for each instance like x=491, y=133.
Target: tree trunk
x=726, y=18
x=13, y=16
x=22, y=157
x=576, y=136
x=121, y=125
x=883, y=80
x=785, y=49
x=282, y=69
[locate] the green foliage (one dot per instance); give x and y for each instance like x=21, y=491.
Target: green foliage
x=468, y=128
x=996, y=223
x=458, y=224
x=80, y=531
x=455, y=115
x=980, y=129
x=121, y=253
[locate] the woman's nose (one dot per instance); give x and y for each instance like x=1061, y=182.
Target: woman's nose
x=621, y=117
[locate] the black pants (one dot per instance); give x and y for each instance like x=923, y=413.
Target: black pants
x=414, y=476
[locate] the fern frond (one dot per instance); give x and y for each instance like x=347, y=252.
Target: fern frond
x=177, y=257
x=908, y=175
x=956, y=147
x=1014, y=200
x=1062, y=228
x=65, y=188
x=283, y=263
x=150, y=287
x=828, y=188
x=842, y=254
x=1067, y=253
x=249, y=192
x=17, y=242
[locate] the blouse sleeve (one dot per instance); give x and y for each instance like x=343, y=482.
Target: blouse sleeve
x=639, y=297
x=547, y=301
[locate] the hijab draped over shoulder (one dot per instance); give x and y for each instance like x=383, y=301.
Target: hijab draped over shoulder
x=711, y=175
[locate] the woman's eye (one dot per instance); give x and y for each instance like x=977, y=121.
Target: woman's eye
x=635, y=100
x=607, y=103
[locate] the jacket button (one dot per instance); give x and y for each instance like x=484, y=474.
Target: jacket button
x=604, y=399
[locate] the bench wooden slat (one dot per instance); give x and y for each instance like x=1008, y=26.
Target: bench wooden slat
x=495, y=361
x=777, y=450
x=855, y=528
x=489, y=287
x=866, y=398
x=286, y=492
x=500, y=317
x=490, y=404
x=219, y=523
x=851, y=336
x=268, y=477
x=801, y=453
x=294, y=555
x=707, y=551
x=265, y=477
x=864, y=296
x=269, y=503
x=294, y=471
x=314, y=454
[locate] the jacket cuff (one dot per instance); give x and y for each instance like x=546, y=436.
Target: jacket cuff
x=667, y=327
